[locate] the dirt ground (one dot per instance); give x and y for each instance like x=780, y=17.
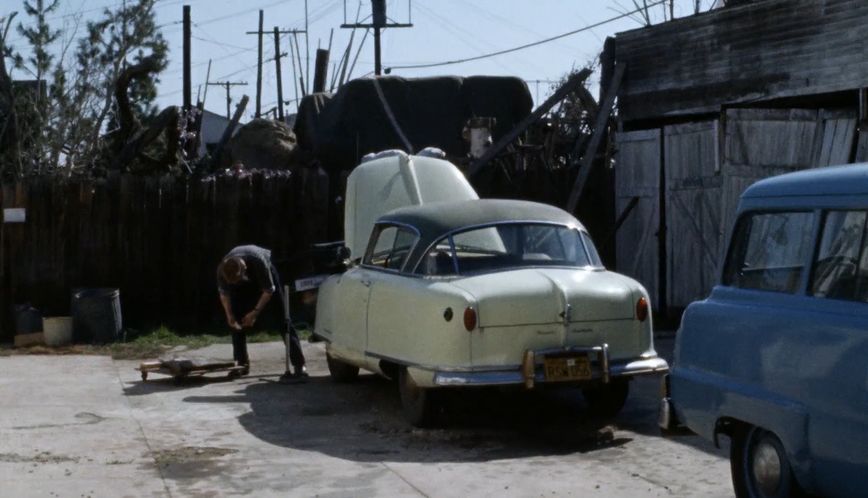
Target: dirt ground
x=88, y=426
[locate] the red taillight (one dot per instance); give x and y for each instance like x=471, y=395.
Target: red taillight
x=469, y=318
x=641, y=309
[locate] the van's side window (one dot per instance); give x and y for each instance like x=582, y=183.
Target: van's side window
x=839, y=272
x=769, y=251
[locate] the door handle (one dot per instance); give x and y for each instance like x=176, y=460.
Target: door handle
x=366, y=283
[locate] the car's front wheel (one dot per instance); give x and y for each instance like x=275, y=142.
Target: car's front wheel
x=606, y=400
x=760, y=467
x=340, y=371
x=420, y=405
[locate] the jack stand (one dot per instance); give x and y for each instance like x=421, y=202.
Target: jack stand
x=287, y=377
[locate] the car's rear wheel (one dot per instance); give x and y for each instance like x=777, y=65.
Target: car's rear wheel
x=420, y=405
x=607, y=400
x=760, y=467
x=340, y=371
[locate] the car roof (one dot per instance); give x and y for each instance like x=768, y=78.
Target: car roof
x=851, y=179
x=438, y=218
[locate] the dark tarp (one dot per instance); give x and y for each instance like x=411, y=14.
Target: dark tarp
x=339, y=129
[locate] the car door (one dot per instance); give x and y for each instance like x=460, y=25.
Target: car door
x=351, y=310
x=387, y=253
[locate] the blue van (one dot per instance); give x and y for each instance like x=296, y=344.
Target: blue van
x=776, y=357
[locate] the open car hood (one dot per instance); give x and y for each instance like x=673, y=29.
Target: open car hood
x=391, y=180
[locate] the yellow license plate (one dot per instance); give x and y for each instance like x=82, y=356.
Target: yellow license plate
x=567, y=369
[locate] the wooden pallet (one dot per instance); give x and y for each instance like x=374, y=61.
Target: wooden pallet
x=182, y=368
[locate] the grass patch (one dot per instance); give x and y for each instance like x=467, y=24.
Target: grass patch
x=150, y=344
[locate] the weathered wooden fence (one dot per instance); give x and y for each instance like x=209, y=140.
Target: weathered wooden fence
x=157, y=239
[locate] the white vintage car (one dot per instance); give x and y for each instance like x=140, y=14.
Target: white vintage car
x=447, y=291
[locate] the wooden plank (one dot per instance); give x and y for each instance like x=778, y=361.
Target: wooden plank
x=697, y=64
x=693, y=189
x=575, y=81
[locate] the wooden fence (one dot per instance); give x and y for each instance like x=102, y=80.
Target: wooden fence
x=157, y=239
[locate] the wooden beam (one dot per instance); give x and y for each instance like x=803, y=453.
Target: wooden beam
x=574, y=82
x=596, y=138
x=227, y=133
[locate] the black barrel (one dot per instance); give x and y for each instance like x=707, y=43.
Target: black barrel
x=28, y=320
x=96, y=315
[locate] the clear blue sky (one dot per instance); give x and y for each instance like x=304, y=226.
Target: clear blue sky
x=443, y=30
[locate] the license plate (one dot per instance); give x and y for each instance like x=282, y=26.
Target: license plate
x=563, y=369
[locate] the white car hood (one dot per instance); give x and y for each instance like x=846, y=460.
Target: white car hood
x=541, y=295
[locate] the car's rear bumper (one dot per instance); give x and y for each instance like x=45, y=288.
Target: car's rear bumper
x=531, y=372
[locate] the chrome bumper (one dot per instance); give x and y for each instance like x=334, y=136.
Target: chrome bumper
x=530, y=372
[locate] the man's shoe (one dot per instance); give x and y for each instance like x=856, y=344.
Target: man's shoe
x=298, y=376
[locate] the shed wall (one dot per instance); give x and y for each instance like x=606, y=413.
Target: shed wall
x=767, y=49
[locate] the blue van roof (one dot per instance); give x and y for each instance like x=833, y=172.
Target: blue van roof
x=837, y=180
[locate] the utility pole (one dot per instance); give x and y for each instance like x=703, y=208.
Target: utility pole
x=259, y=34
x=228, y=86
x=277, y=56
x=379, y=21
x=187, y=78
x=306, y=48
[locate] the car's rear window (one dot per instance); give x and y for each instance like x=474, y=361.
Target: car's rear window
x=510, y=246
x=769, y=251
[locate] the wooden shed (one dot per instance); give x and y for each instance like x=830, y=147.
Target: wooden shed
x=713, y=102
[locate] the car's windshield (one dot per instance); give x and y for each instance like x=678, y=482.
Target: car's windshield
x=510, y=246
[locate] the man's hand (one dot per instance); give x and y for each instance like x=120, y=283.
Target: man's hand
x=233, y=324
x=249, y=319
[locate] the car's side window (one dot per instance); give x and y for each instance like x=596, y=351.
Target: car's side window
x=769, y=250
x=838, y=270
x=391, y=247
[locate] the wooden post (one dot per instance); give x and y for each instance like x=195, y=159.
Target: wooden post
x=227, y=133
x=300, y=72
x=596, y=138
x=320, y=73
x=294, y=75
x=187, y=77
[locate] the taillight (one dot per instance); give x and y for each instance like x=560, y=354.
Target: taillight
x=641, y=309
x=469, y=318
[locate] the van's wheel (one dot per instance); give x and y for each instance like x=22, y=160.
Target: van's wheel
x=340, y=371
x=420, y=405
x=760, y=467
x=606, y=400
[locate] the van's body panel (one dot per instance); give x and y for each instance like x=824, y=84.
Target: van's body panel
x=791, y=363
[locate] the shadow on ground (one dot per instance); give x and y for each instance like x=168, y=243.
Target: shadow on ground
x=362, y=421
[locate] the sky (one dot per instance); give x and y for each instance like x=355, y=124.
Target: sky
x=443, y=30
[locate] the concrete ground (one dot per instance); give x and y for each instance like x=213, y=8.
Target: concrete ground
x=79, y=426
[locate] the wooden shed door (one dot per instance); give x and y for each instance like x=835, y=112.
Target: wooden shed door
x=693, y=224
x=637, y=174
x=760, y=143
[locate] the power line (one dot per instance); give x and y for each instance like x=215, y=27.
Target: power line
x=529, y=45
